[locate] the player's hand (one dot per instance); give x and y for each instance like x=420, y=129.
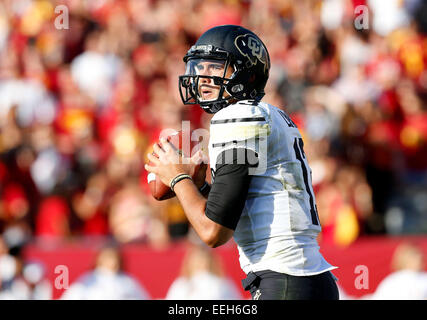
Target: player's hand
x=170, y=163
x=201, y=163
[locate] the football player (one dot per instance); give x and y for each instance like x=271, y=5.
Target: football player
x=261, y=192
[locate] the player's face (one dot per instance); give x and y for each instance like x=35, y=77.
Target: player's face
x=207, y=89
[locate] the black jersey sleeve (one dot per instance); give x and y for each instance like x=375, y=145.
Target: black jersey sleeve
x=229, y=191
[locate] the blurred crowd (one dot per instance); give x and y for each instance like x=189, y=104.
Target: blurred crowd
x=407, y=279
x=86, y=87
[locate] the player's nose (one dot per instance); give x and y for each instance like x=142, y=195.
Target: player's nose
x=205, y=80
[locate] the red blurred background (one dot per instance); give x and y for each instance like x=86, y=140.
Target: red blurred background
x=81, y=104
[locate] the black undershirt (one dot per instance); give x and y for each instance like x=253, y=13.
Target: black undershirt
x=228, y=193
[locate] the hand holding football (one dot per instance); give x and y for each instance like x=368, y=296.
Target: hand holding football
x=158, y=189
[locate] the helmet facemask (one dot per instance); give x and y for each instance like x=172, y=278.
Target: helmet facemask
x=205, y=83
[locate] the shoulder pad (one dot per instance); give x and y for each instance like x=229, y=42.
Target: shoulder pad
x=239, y=122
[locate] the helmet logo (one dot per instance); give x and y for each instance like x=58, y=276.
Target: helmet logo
x=253, y=49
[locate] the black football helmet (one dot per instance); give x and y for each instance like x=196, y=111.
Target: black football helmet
x=225, y=50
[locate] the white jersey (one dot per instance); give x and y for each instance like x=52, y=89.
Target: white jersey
x=279, y=224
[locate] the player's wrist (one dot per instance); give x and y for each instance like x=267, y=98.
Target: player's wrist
x=179, y=178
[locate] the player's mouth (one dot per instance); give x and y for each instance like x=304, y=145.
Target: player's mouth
x=208, y=91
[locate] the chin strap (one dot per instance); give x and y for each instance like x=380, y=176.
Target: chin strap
x=215, y=106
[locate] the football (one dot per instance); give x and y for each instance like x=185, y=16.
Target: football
x=158, y=189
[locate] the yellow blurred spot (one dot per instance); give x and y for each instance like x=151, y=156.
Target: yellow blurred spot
x=175, y=213
x=346, y=226
x=409, y=137
x=412, y=57
x=125, y=142
x=34, y=18
x=77, y=121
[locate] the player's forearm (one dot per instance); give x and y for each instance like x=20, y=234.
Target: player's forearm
x=194, y=205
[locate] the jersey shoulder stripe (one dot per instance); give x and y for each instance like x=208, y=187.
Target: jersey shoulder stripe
x=234, y=143
x=239, y=122
x=222, y=121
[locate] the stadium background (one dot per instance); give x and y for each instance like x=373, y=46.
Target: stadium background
x=80, y=107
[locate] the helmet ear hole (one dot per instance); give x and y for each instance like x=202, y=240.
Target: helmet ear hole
x=237, y=88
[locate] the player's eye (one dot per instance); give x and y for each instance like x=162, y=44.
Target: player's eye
x=216, y=66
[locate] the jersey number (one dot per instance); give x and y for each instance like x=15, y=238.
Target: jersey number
x=299, y=151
